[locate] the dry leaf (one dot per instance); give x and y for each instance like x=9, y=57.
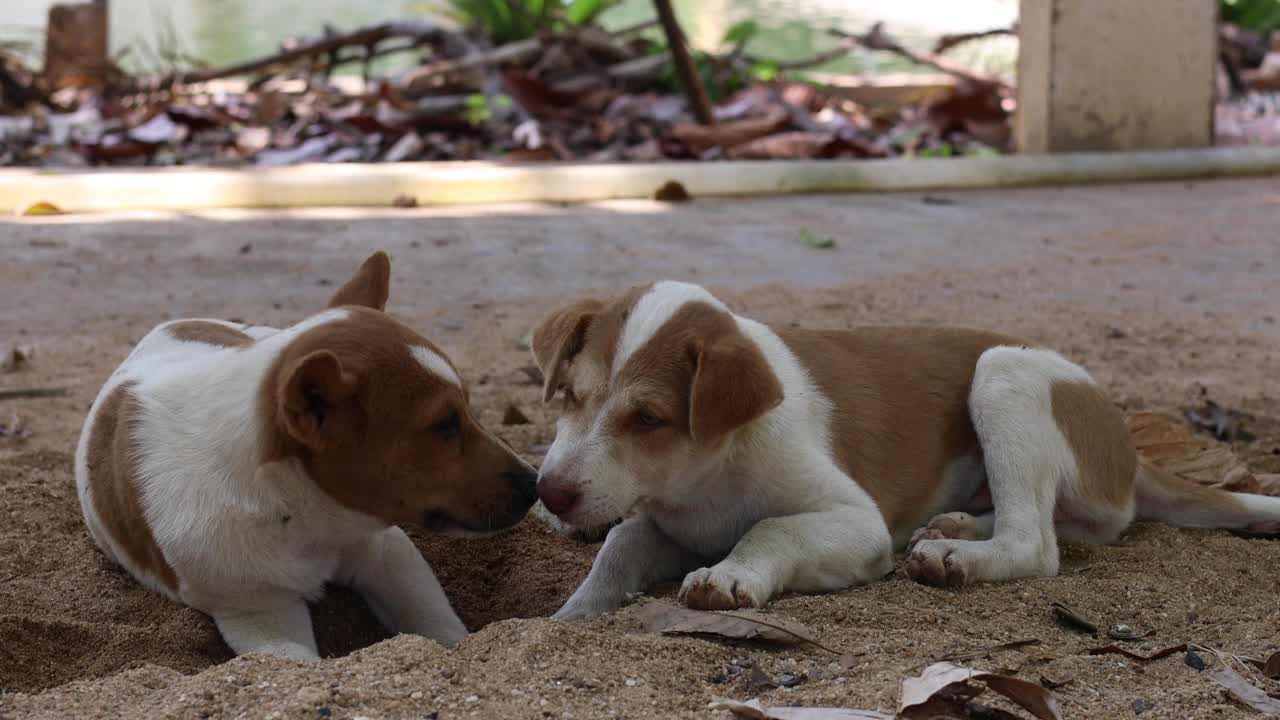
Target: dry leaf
x=1068, y=615
x=1272, y=667
x=43, y=208
x=939, y=677
x=986, y=651
x=1222, y=423
x=1244, y=692
x=700, y=138
x=1171, y=445
x=669, y=619
x=754, y=710
x=1117, y=650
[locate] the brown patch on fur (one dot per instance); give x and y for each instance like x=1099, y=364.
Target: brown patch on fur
x=369, y=287
x=710, y=377
x=381, y=434
x=113, y=482
x=900, y=399
x=209, y=333
x=585, y=327
x=558, y=338
x=1095, y=430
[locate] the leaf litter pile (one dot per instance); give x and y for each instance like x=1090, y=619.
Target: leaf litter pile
x=570, y=91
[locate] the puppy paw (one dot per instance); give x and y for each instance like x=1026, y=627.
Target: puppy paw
x=948, y=526
x=941, y=563
x=724, y=587
x=577, y=608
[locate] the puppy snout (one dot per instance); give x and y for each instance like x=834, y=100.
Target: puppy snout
x=559, y=496
x=524, y=482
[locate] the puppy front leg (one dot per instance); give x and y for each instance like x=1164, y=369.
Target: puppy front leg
x=808, y=552
x=636, y=554
x=284, y=631
x=393, y=577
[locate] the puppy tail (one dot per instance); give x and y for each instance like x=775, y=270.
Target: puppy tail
x=1170, y=499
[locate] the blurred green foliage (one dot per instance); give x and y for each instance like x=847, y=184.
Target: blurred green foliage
x=1261, y=15
x=505, y=21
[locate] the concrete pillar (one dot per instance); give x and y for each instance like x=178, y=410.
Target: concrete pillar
x=1097, y=75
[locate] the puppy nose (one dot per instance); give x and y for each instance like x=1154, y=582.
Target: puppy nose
x=525, y=481
x=558, y=495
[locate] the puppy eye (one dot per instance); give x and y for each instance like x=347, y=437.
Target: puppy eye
x=569, y=398
x=448, y=427
x=649, y=421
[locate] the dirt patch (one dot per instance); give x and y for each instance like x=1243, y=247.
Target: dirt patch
x=79, y=638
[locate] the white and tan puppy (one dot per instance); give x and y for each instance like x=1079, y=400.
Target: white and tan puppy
x=753, y=461
x=238, y=469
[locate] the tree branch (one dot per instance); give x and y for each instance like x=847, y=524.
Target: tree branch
x=946, y=42
x=877, y=39
x=693, y=88
x=421, y=32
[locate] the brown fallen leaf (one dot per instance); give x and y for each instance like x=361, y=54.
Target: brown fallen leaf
x=1052, y=684
x=1246, y=693
x=535, y=95
x=42, y=208
x=1068, y=615
x=1271, y=668
x=798, y=145
x=1222, y=423
x=700, y=138
x=1171, y=445
x=1117, y=650
x=984, y=652
x=670, y=619
x=754, y=710
x=917, y=692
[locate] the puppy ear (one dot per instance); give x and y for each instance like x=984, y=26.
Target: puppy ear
x=315, y=388
x=732, y=386
x=369, y=286
x=558, y=338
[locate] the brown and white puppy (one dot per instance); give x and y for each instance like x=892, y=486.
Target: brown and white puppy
x=238, y=469
x=753, y=461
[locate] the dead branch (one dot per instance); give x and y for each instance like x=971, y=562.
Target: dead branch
x=689, y=79
x=947, y=42
x=845, y=46
x=369, y=38
x=518, y=52
x=877, y=39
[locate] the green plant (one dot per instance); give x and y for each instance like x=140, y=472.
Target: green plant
x=506, y=21
x=478, y=108
x=1260, y=15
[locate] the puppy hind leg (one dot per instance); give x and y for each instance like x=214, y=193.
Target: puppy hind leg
x=1026, y=459
x=956, y=526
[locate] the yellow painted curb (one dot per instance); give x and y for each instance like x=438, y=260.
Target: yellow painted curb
x=460, y=183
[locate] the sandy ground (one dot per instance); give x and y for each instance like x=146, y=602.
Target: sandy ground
x=1162, y=291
